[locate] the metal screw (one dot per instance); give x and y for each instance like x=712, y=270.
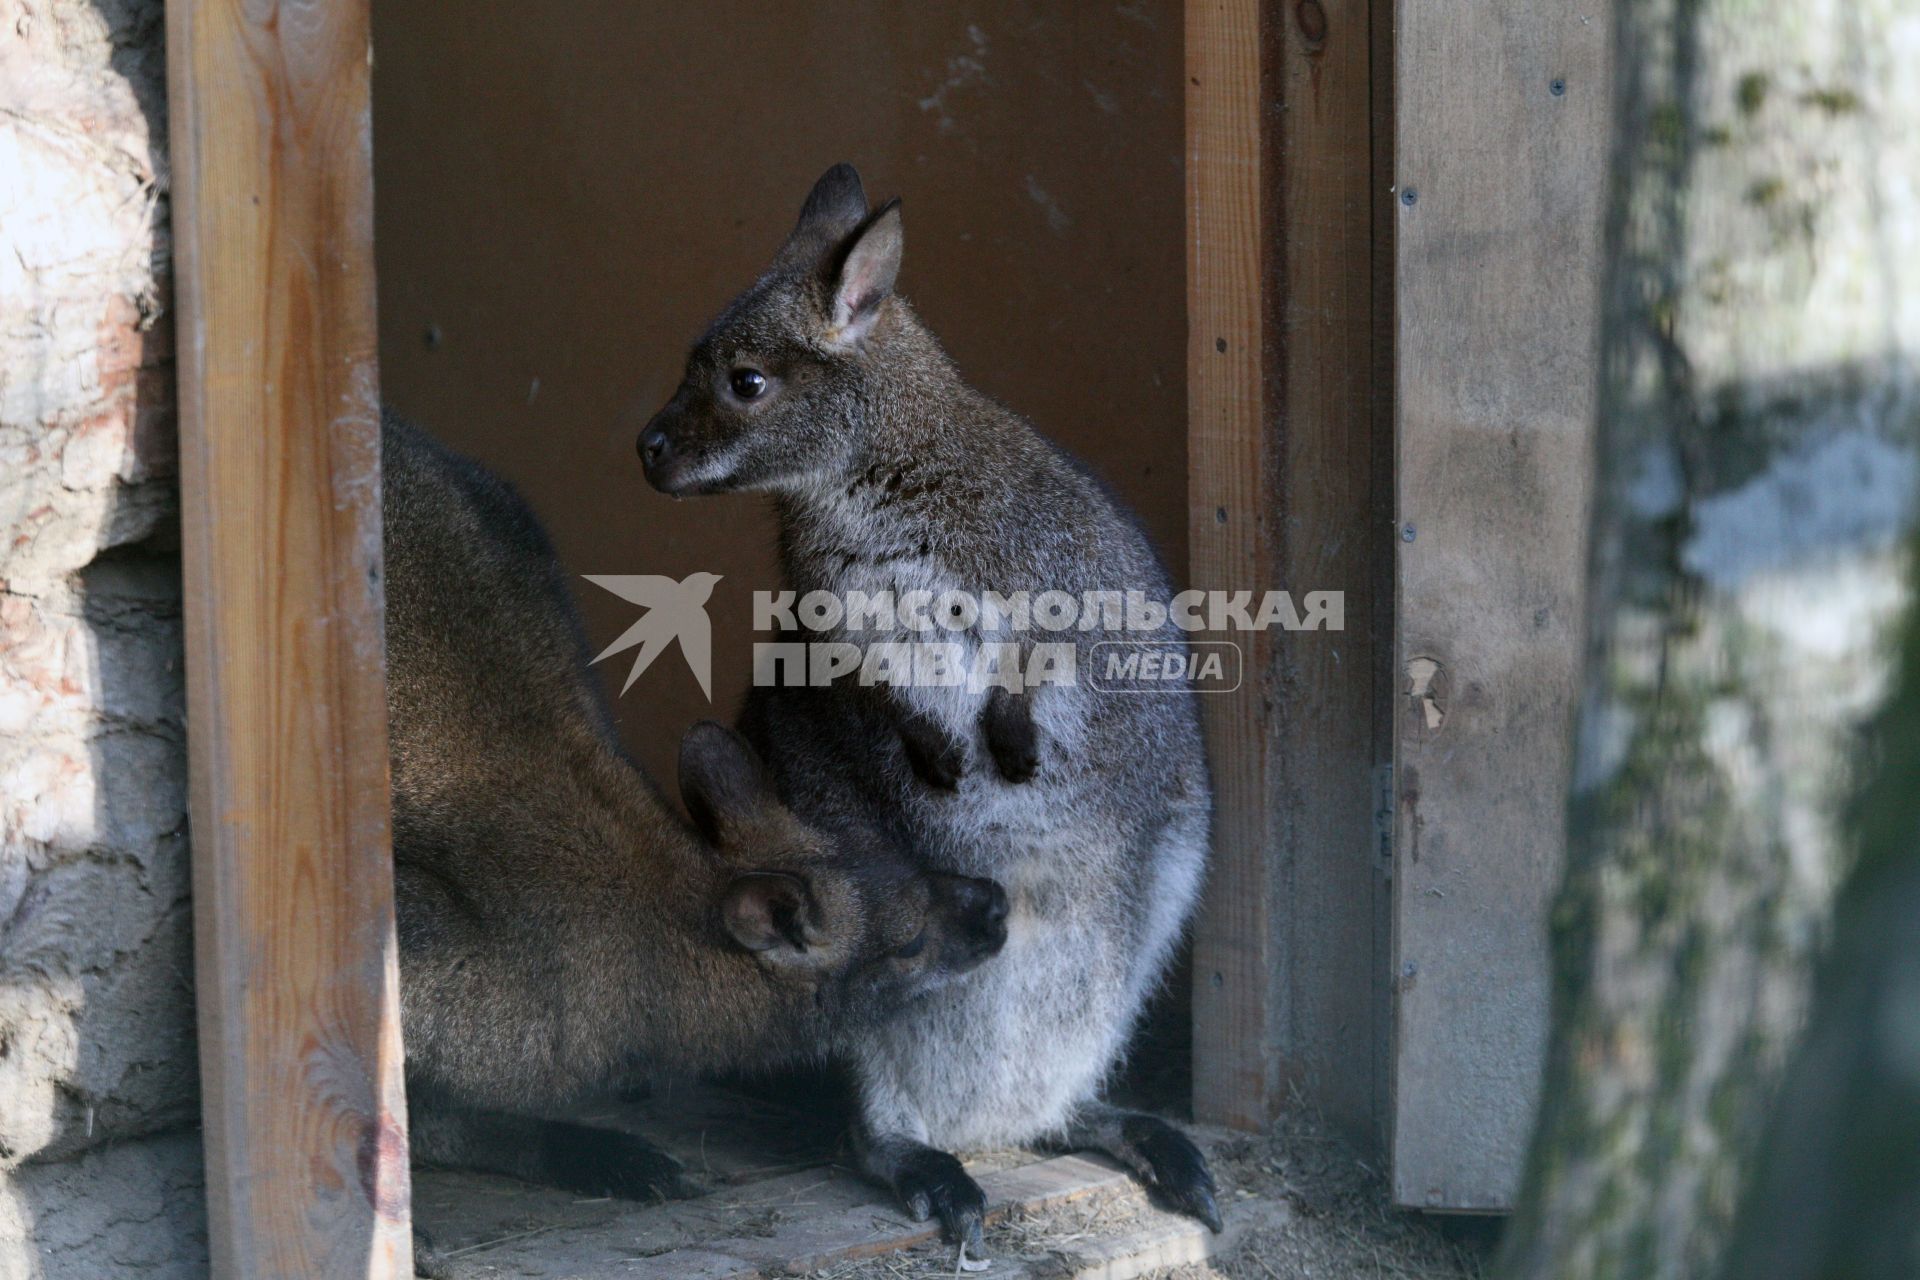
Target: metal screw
x=1557, y=88
x=1406, y=533
x=1220, y=514
x=1408, y=197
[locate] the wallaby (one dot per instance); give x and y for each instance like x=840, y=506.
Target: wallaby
x=821, y=386
x=559, y=925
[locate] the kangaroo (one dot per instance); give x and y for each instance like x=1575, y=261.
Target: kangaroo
x=892, y=476
x=559, y=924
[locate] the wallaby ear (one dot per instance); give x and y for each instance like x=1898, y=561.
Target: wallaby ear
x=834, y=210
x=866, y=277
x=837, y=201
x=766, y=911
x=722, y=781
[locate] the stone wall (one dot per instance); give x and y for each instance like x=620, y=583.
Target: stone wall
x=96, y=1002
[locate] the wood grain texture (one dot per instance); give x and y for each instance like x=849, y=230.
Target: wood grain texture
x=1236, y=999
x=293, y=899
x=1327, y=537
x=1499, y=210
x=1283, y=471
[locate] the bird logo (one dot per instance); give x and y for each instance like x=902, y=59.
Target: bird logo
x=674, y=611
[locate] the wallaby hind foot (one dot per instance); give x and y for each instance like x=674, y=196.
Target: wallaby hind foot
x=1159, y=1155
x=556, y=1153
x=606, y=1162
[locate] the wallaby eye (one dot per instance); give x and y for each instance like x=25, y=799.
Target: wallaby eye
x=748, y=383
x=912, y=949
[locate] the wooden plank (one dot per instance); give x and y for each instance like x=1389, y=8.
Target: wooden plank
x=1235, y=1073
x=791, y=1224
x=1385, y=598
x=1282, y=484
x=1501, y=153
x=279, y=441
x=1162, y=1243
x=1236, y=1012
x=1328, y=538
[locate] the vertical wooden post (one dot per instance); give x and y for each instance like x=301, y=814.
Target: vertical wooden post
x=1501, y=151
x=1236, y=1008
x=280, y=494
x=1282, y=496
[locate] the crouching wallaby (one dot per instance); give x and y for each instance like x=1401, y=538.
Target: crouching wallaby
x=896, y=480
x=560, y=926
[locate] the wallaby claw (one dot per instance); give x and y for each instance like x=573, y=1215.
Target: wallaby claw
x=1199, y=1202
x=934, y=1184
x=1176, y=1168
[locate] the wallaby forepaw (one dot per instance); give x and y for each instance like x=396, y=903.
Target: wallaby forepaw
x=1176, y=1168
x=937, y=759
x=933, y=1184
x=1013, y=740
x=1017, y=763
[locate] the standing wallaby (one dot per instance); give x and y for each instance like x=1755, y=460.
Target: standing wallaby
x=560, y=926
x=891, y=475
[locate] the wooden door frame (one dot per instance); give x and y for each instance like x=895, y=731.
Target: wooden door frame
x=300, y=1045
x=295, y=957
x=1289, y=304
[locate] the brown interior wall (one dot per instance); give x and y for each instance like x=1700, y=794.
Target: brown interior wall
x=566, y=193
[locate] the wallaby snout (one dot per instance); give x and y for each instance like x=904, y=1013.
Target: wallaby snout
x=979, y=910
x=662, y=453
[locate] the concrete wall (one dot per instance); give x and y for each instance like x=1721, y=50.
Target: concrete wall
x=96, y=1014
x=565, y=200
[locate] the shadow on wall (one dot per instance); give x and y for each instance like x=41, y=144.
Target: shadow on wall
x=98, y=1095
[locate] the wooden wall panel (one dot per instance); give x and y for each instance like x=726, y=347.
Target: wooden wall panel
x=1283, y=469
x=280, y=495
x=567, y=196
x=1501, y=153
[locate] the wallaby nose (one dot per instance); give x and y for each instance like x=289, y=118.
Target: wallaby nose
x=984, y=904
x=994, y=910
x=654, y=446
